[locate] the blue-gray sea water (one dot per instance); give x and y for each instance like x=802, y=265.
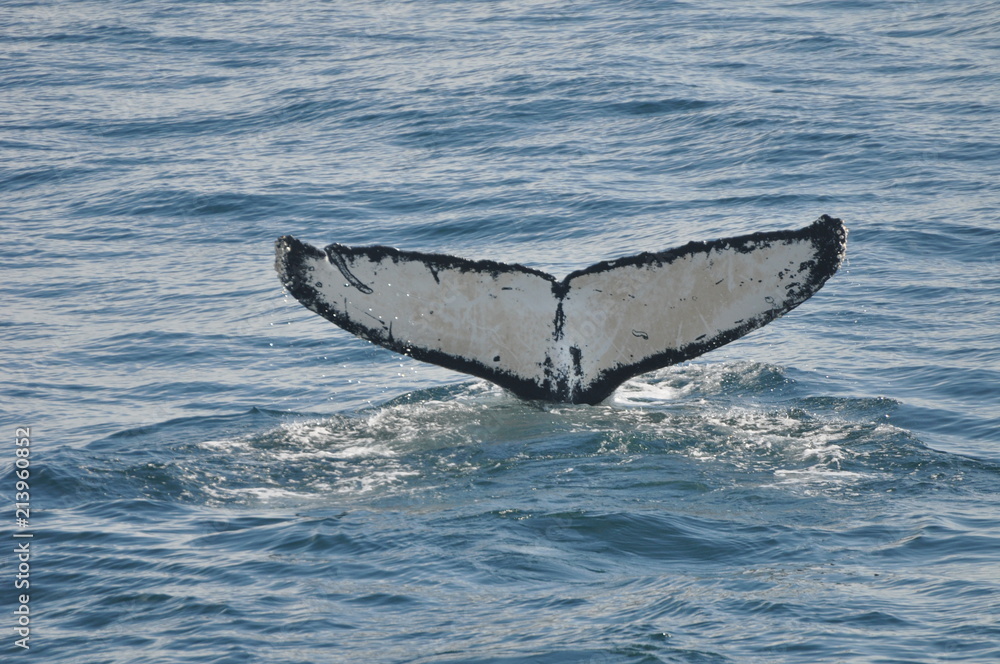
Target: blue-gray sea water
x=218, y=475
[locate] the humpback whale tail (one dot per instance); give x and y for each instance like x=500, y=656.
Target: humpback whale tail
x=573, y=340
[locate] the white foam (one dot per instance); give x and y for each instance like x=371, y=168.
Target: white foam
x=639, y=392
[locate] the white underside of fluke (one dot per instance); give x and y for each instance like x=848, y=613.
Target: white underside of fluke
x=573, y=340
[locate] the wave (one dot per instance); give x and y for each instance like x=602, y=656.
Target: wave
x=694, y=428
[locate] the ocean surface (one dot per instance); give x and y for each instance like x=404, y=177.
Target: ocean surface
x=217, y=475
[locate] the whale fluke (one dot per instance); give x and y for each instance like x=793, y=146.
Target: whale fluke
x=573, y=340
